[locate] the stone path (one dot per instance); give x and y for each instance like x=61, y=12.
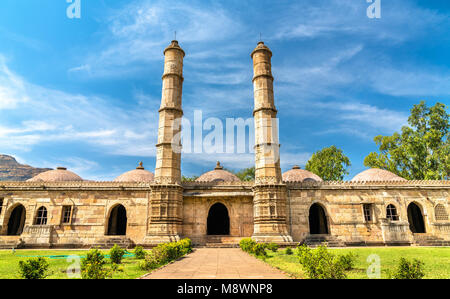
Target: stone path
x=217, y=263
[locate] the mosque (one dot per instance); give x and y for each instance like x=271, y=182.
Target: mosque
x=58, y=209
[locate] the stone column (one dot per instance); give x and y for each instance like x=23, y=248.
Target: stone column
x=270, y=194
x=166, y=200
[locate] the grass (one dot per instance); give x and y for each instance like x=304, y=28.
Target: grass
x=436, y=260
x=9, y=264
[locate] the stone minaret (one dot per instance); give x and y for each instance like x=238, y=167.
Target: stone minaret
x=166, y=200
x=270, y=194
x=168, y=159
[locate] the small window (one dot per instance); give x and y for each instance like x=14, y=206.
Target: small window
x=41, y=217
x=440, y=212
x=367, y=208
x=391, y=213
x=66, y=214
x=1, y=205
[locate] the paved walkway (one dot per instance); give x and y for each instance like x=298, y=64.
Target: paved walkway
x=217, y=263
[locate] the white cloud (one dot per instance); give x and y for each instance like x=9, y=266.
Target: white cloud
x=50, y=115
x=141, y=29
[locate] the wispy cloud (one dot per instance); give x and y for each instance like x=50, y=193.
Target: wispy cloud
x=139, y=31
x=40, y=114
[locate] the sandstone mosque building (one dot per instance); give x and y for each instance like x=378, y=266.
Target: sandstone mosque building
x=59, y=209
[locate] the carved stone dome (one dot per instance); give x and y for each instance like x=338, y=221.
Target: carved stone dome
x=296, y=174
x=375, y=174
x=218, y=175
x=139, y=175
x=61, y=174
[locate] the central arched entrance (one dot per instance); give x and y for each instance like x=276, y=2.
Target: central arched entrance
x=415, y=219
x=117, y=223
x=16, y=221
x=218, y=220
x=317, y=220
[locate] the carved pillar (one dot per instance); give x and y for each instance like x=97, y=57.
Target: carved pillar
x=270, y=194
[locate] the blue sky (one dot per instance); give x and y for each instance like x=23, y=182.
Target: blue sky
x=84, y=93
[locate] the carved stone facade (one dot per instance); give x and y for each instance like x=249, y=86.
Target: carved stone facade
x=218, y=208
x=148, y=221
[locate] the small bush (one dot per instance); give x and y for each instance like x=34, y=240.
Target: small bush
x=92, y=267
x=288, y=251
x=151, y=262
x=273, y=247
x=347, y=261
x=165, y=253
x=116, y=254
x=139, y=253
x=320, y=263
x=247, y=245
x=260, y=249
x=409, y=270
x=187, y=245
x=34, y=268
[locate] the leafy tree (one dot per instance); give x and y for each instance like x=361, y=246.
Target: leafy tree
x=329, y=163
x=189, y=179
x=421, y=151
x=247, y=174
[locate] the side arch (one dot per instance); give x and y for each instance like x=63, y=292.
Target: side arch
x=318, y=220
x=16, y=220
x=117, y=221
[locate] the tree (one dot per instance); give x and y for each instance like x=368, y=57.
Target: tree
x=247, y=174
x=186, y=179
x=329, y=163
x=421, y=151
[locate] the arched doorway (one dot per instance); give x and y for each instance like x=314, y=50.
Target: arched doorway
x=415, y=219
x=117, y=223
x=16, y=221
x=317, y=220
x=218, y=220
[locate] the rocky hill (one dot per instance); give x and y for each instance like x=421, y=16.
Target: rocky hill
x=11, y=170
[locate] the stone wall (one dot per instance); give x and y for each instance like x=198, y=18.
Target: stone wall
x=342, y=202
x=343, y=205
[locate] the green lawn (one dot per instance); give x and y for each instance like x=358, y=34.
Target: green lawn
x=436, y=260
x=9, y=264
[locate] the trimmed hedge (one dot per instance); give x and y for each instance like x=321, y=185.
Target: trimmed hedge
x=165, y=253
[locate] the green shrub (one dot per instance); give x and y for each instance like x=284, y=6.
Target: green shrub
x=273, y=247
x=347, y=261
x=151, y=262
x=187, y=245
x=139, y=253
x=92, y=267
x=320, y=263
x=116, y=254
x=409, y=270
x=165, y=253
x=247, y=245
x=288, y=251
x=260, y=249
x=34, y=268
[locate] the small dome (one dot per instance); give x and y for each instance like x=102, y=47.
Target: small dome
x=296, y=174
x=139, y=175
x=375, y=174
x=218, y=175
x=61, y=174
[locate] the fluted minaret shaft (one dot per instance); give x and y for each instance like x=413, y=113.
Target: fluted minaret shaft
x=166, y=199
x=269, y=193
x=267, y=148
x=168, y=155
